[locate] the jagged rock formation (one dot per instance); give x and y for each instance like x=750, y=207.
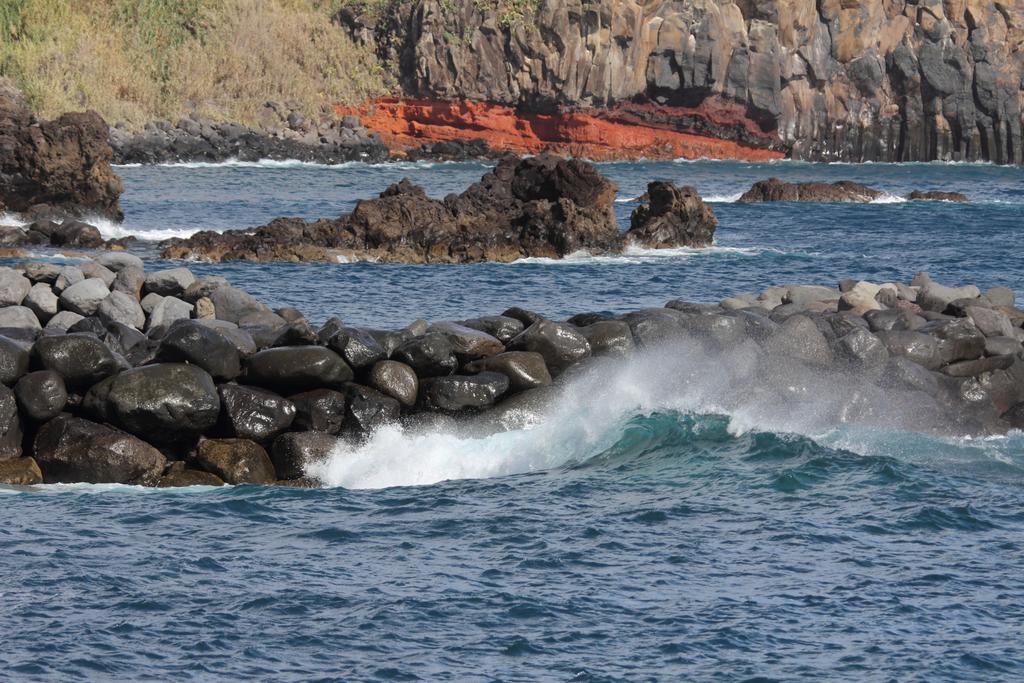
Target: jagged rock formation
x=63, y=164
x=674, y=216
x=836, y=79
x=543, y=206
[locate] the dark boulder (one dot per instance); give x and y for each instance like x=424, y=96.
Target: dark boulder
x=14, y=360
x=958, y=339
x=359, y=348
x=560, y=344
x=430, y=355
x=937, y=196
x=10, y=425
x=369, y=409
x=524, y=369
x=921, y=348
x=293, y=452
x=468, y=343
x=297, y=368
x=862, y=350
x=652, y=327
x=41, y=395
x=397, y=380
x=319, y=410
x=236, y=461
x=191, y=342
x=502, y=328
x=252, y=413
x=675, y=217
x=80, y=358
x=70, y=449
x=608, y=337
x=463, y=392
x=167, y=403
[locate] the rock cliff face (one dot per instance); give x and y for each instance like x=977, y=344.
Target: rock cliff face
x=64, y=163
x=853, y=80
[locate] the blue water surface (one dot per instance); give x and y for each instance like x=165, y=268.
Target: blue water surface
x=685, y=550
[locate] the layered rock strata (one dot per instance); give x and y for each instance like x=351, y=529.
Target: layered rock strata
x=878, y=81
x=543, y=206
x=165, y=379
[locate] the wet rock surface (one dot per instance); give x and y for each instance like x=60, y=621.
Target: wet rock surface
x=196, y=403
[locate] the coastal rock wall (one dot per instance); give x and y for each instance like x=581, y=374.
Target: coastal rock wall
x=874, y=80
x=64, y=163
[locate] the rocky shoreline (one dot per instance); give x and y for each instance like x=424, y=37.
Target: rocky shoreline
x=112, y=374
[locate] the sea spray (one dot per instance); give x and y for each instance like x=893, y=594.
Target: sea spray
x=586, y=413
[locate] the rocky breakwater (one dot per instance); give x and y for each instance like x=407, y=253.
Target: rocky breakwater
x=57, y=167
x=111, y=374
x=775, y=190
x=283, y=134
x=543, y=206
x=854, y=81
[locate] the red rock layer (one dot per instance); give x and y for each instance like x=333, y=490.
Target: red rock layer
x=629, y=131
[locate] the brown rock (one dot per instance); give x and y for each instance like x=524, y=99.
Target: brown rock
x=20, y=472
x=236, y=461
x=675, y=217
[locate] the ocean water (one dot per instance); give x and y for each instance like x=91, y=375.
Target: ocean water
x=664, y=519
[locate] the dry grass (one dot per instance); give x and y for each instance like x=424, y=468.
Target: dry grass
x=140, y=60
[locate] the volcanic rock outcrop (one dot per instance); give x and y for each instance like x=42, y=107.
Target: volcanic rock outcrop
x=775, y=190
x=832, y=80
x=61, y=165
x=543, y=206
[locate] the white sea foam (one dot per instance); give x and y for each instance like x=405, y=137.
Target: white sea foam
x=635, y=254
x=889, y=198
x=588, y=414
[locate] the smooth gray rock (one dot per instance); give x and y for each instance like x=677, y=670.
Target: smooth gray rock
x=973, y=368
x=652, y=327
x=69, y=275
x=84, y=297
x=1003, y=346
x=232, y=304
x=935, y=297
x=14, y=287
x=116, y=261
x=204, y=287
x=166, y=312
x=130, y=281
x=42, y=301
x=170, y=282
x=93, y=270
x=991, y=323
x=19, y=317
x=121, y=308
x=806, y=294
x=64, y=320
x=1001, y=296
x=150, y=302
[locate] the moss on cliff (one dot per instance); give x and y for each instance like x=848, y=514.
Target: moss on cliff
x=140, y=60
